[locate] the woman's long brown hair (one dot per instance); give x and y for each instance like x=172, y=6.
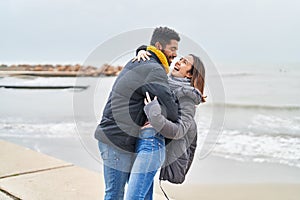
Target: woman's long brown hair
x=198, y=75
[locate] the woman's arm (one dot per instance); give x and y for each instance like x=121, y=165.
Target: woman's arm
x=141, y=53
x=169, y=129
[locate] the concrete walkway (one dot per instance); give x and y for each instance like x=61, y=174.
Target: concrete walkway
x=29, y=175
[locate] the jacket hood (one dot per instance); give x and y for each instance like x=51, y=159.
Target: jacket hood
x=189, y=91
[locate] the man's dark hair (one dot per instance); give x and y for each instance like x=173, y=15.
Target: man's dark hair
x=164, y=35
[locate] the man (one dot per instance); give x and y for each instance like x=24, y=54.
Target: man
x=123, y=114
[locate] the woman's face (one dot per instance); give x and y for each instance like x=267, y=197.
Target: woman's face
x=183, y=67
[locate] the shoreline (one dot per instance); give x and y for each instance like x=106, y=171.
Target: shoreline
x=211, y=170
x=219, y=170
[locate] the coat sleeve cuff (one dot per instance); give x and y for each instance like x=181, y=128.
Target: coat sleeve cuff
x=152, y=109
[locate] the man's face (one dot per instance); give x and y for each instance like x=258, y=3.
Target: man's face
x=183, y=67
x=170, y=50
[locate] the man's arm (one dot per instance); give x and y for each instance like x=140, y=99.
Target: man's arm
x=157, y=85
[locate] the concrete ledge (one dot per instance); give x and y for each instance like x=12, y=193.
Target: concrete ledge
x=16, y=160
x=29, y=175
x=64, y=183
x=4, y=196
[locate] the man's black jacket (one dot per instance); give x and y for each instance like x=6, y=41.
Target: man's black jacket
x=123, y=114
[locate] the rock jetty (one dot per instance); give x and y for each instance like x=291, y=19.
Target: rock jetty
x=60, y=70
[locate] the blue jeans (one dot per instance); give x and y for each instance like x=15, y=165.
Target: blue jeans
x=116, y=168
x=150, y=149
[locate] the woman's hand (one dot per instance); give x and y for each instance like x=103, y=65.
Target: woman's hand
x=142, y=54
x=147, y=100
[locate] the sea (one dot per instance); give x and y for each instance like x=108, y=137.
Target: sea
x=252, y=114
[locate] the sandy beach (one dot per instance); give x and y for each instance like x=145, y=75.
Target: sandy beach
x=235, y=192
x=216, y=178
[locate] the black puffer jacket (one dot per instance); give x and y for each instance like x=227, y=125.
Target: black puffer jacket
x=123, y=114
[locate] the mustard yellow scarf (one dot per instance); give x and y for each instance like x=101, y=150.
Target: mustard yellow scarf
x=161, y=57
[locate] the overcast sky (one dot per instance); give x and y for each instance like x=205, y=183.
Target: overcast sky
x=231, y=31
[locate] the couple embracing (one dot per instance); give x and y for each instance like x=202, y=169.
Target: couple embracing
x=148, y=120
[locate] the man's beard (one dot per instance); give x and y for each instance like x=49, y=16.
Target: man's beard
x=169, y=58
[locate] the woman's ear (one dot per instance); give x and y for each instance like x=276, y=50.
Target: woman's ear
x=158, y=46
x=188, y=75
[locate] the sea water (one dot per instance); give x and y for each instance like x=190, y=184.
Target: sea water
x=260, y=122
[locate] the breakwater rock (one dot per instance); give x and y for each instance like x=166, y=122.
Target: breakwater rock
x=60, y=70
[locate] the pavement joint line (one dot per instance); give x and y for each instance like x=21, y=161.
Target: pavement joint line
x=9, y=194
x=36, y=171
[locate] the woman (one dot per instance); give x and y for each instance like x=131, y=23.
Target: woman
x=187, y=83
